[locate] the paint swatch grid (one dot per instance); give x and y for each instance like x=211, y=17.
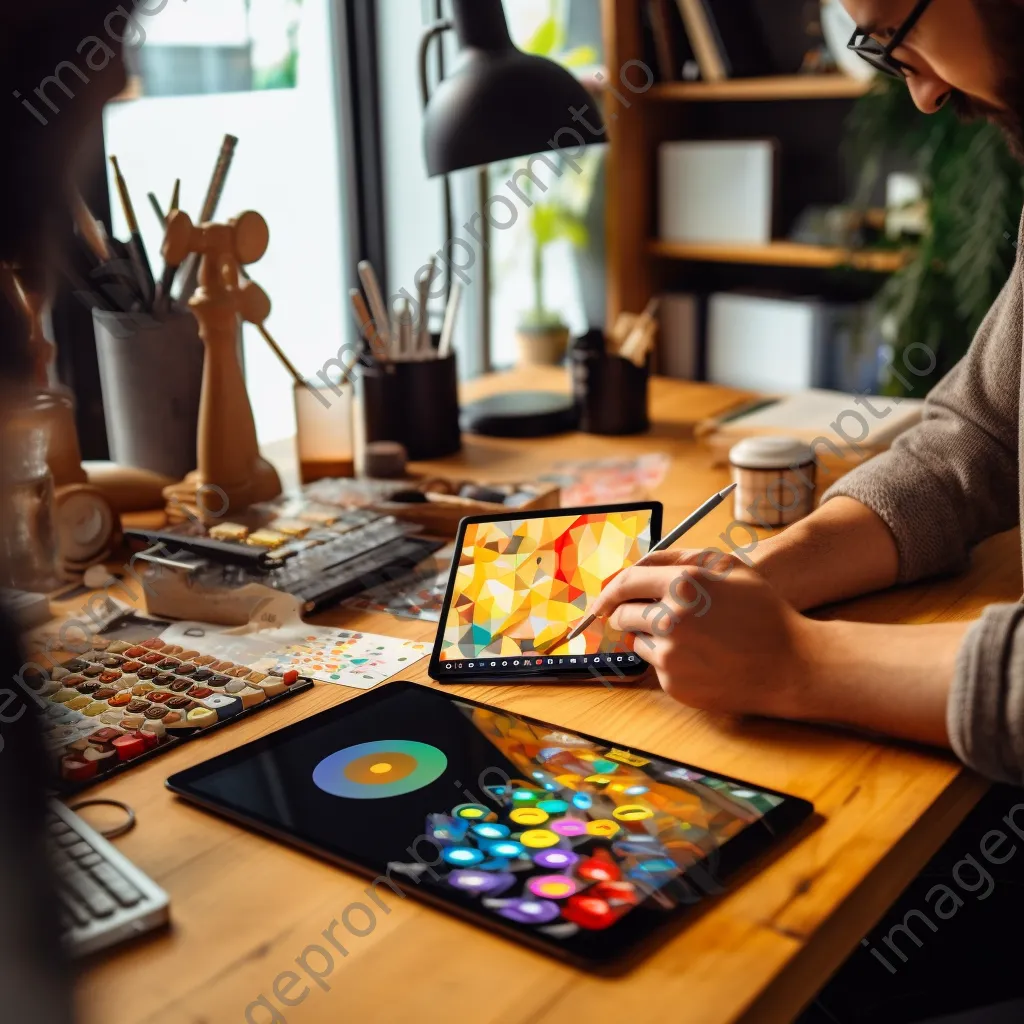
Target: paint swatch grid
x=349, y=658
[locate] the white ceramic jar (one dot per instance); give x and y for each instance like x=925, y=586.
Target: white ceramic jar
x=775, y=480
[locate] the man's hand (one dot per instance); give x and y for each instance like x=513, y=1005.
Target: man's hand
x=719, y=636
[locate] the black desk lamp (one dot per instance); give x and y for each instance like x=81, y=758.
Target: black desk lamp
x=499, y=103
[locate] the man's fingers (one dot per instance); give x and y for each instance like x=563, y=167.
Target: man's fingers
x=678, y=556
x=634, y=617
x=649, y=649
x=638, y=583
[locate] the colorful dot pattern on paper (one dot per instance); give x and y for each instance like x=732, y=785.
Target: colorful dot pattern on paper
x=360, y=660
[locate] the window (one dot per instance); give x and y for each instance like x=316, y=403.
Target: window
x=263, y=71
x=570, y=274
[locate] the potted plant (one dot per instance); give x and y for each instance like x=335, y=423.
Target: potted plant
x=542, y=335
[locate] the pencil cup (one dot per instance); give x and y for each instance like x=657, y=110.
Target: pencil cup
x=611, y=392
x=323, y=431
x=151, y=372
x=413, y=402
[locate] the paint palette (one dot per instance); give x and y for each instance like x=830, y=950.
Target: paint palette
x=121, y=703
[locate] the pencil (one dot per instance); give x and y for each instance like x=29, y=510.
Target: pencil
x=176, y=196
x=664, y=544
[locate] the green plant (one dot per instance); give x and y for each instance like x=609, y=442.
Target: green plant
x=561, y=214
x=974, y=189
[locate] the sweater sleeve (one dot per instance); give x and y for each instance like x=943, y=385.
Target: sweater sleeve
x=985, y=713
x=951, y=481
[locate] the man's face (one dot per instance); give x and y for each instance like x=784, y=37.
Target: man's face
x=967, y=52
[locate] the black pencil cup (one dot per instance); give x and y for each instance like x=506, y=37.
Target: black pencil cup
x=611, y=392
x=414, y=402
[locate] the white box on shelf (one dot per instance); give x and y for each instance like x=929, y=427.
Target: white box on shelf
x=784, y=345
x=717, y=192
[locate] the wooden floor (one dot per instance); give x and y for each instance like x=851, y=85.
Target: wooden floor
x=245, y=909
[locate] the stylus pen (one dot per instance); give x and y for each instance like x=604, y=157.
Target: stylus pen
x=666, y=542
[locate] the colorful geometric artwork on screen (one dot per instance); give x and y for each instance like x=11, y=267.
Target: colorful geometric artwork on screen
x=522, y=585
x=381, y=769
x=583, y=834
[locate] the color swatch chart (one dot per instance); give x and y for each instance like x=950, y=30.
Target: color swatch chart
x=120, y=702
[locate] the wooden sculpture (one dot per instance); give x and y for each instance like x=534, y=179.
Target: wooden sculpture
x=227, y=454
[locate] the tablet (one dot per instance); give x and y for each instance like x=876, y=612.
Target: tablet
x=520, y=583
x=575, y=845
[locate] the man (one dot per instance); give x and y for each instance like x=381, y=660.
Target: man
x=35, y=174
x=911, y=513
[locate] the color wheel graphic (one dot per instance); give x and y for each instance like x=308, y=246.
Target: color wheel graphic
x=378, y=770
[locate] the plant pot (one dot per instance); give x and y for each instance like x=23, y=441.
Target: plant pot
x=542, y=346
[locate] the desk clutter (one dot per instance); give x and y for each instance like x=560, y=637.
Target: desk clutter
x=409, y=378
x=437, y=504
x=309, y=552
x=121, y=703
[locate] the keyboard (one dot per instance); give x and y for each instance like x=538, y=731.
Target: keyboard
x=105, y=899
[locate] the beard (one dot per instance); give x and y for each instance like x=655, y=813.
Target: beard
x=1003, y=21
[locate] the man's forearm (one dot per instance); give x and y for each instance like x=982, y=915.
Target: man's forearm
x=840, y=551
x=888, y=679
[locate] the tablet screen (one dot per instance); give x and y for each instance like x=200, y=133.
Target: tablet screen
x=575, y=843
x=520, y=586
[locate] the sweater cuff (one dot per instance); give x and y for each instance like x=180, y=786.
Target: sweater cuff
x=985, y=713
x=915, y=507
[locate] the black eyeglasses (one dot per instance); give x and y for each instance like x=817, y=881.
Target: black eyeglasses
x=879, y=55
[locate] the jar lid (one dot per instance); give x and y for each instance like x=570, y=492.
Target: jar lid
x=770, y=453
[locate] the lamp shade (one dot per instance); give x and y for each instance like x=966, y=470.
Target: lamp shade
x=500, y=103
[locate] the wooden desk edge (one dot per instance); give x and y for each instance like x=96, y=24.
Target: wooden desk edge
x=795, y=985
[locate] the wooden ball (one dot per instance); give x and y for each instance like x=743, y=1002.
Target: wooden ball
x=252, y=237
x=177, y=238
x=255, y=303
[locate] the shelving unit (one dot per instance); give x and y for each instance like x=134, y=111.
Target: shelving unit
x=782, y=254
x=805, y=112
x=781, y=87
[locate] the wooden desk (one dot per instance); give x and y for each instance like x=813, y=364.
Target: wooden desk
x=244, y=908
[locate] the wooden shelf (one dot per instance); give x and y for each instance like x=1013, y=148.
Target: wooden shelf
x=783, y=254
x=780, y=87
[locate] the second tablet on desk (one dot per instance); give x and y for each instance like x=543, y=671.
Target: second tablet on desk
x=521, y=583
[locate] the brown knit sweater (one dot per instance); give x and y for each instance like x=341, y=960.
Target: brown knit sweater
x=947, y=484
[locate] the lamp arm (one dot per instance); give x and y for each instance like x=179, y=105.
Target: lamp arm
x=429, y=35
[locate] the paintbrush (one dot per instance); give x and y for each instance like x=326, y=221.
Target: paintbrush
x=136, y=249
x=155, y=203
x=91, y=230
x=209, y=210
x=367, y=328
